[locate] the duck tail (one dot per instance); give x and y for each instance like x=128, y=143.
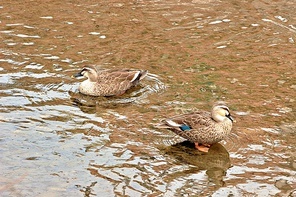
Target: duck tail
x=138, y=76
x=142, y=74
x=167, y=124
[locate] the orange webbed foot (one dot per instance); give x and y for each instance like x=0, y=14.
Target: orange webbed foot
x=202, y=147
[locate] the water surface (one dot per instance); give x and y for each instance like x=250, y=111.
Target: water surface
x=56, y=142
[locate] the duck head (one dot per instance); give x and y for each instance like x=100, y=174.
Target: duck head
x=88, y=72
x=220, y=111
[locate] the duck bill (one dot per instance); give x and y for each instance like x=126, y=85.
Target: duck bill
x=230, y=118
x=78, y=75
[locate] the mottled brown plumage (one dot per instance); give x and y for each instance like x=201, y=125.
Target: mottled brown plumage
x=202, y=128
x=108, y=82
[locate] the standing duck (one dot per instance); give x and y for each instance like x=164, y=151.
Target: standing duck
x=203, y=128
x=108, y=82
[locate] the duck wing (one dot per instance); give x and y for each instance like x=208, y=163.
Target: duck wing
x=196, y=120
x=128, y=76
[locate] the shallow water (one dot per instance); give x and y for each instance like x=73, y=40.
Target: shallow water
x=56, y=142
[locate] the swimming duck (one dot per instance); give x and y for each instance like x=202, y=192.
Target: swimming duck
x=203, y=128
x=108, y=82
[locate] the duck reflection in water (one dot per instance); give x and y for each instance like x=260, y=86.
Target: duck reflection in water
x=91, y=104
x=215, y=162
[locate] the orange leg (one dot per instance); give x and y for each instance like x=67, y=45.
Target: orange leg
x=202, y=147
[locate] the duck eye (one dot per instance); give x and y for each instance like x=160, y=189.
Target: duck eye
x=84, y=70
x=226, y=109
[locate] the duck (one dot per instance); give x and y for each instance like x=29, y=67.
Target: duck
x=203, y=128
x=108, y=82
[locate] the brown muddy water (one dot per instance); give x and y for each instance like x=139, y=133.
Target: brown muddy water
x=56, y=142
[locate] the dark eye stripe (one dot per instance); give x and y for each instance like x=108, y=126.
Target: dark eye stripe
x=85, y=69
x=225, y=108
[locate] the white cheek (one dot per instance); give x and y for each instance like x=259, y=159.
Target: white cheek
x=218, y=117
x=86, y=74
